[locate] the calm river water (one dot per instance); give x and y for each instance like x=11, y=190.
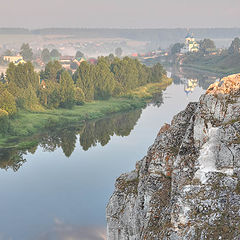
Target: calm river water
x=59, y=189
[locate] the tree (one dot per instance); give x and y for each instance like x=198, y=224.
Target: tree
x=45, y=56
x=235, y=46
x=79, y=54
x=8, y=103
x=176, y=48
x=104, y=80
x=118, y=52
x=79, y=96
x=84, y=80
x=126, y=73
x=50, y=96
x=66, y=90
x=111, y=57
x=73, y=65
x=55, y=53
x=52, y=71
x=158, y=72
x=4, y=121
x=207, y=45
x=22, y=75
x=26, y=52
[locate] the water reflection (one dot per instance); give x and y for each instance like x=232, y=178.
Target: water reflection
x=90, y=134
x=11, y=159
x=192, y=78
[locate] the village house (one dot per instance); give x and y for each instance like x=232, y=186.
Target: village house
x=14, y=59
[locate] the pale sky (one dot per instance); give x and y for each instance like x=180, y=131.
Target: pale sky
x=120, y=13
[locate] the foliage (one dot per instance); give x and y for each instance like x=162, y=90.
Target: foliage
x=118, y=52
x=52, y=71
x=207, y=45
x=55, y=53
x=104, y=80
x=7, y=103
x=79, y=96
x=45, y=55
x=235, y=47
x=26, y=52
x=73, y=65
x=84, y=80
x=4, y=122
x=157, y=73
x=66, y=90
x=176, y=48
x=79, y=54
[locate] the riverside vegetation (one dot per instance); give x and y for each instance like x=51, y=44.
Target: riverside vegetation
x=211, y=59
x=31, y=102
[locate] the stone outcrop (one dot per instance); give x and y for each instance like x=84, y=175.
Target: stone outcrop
x=188, y=185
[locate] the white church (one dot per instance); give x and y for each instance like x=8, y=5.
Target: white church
x=191, y=44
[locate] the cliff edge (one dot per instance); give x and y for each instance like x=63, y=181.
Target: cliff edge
x=188, y=185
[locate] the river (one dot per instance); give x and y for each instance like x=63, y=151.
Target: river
x=60, y=188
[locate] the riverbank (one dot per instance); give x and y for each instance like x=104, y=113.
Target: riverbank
x=27, y=124
x=212, y=69
x=222, y=64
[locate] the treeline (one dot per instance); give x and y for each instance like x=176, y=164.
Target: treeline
x=56, y=87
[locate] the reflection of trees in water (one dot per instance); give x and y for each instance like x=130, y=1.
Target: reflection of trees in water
x=11, y=159
x=64, y=138
x=157, y=99
x=93, y=132
x=101, y=131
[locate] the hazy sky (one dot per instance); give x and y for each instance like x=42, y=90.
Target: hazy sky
x=120, y=13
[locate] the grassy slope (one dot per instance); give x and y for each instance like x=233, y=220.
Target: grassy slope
x=29, y=123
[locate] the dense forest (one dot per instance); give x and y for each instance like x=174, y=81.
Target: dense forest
x=54, y=87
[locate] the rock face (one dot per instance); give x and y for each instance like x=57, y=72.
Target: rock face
x=188, y=185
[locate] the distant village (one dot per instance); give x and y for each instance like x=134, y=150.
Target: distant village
x=67, y=62
x=190, y=45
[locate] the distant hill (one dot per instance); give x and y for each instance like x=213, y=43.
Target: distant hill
x=155, y=37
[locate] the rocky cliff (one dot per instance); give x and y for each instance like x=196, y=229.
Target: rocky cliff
x=188, y=185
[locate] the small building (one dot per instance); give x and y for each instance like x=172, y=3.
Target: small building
x=66, y=61
x=14, y=59
x=92, y=61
